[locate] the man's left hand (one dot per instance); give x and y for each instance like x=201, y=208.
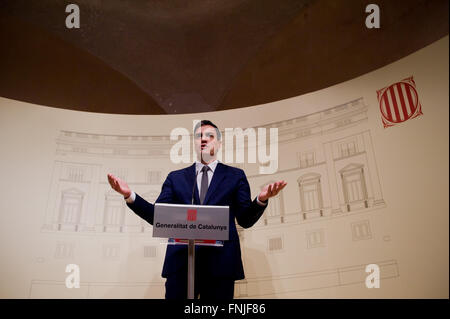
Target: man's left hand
x=271, y=190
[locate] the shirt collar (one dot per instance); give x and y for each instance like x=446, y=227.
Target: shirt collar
x=199, y=165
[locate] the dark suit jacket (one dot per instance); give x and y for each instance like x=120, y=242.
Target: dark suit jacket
x=228, y=187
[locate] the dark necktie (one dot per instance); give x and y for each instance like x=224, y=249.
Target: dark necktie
x=204, y=185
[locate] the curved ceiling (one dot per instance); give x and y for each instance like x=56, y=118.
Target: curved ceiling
x=172, y=57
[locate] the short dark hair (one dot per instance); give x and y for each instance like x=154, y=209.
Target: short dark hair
x=207, y=122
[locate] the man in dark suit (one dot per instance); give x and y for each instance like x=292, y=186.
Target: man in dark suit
x=217, y=184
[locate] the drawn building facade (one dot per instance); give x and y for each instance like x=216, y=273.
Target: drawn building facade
x=327, y=158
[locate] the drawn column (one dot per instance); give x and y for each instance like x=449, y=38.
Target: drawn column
x=331, y=171
x=52, y=213
x=373, y=170
x=94, y=188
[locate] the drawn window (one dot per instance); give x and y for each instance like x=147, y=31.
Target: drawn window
x=153, y=177
x=361, y=230
x=354, y=185
x=111, y=251
x=64, y=250
x=310, y=192
x=348, y=148
x=275, y=244
x=307, y=159
x=315, y=239
x=70, y=209
x=120, y=151
x=311, y=196
x=149, y=251
x=114, y=213
x=74, y=173
x=273, y=208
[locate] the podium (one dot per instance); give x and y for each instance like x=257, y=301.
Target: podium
x=191, y=222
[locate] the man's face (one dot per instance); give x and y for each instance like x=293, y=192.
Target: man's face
x=206, y=143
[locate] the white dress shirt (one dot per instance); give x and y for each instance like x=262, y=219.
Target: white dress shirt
x=198, y=172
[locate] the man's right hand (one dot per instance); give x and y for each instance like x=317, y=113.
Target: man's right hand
x=119, y=185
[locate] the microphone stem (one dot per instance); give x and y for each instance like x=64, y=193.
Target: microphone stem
x=195, y=184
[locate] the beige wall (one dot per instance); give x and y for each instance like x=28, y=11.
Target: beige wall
x=307, y=245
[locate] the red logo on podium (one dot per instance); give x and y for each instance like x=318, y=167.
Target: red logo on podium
x=399, y=102
x=192, y=215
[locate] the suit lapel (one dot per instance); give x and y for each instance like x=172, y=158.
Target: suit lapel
x=218, y=176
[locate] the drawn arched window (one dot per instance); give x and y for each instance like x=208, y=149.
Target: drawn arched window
x=274, y=209
x=114, y=215
x=354, y=185
x=310, y=189
x=70, y=209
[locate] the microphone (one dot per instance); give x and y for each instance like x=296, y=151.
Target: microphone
x=195, y=184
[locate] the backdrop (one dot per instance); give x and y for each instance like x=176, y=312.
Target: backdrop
x=366, y=163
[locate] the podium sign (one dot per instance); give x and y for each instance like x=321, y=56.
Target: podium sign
x=191, y=221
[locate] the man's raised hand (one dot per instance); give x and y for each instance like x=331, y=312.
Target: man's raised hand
x=271, y=190
x=119, y=185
